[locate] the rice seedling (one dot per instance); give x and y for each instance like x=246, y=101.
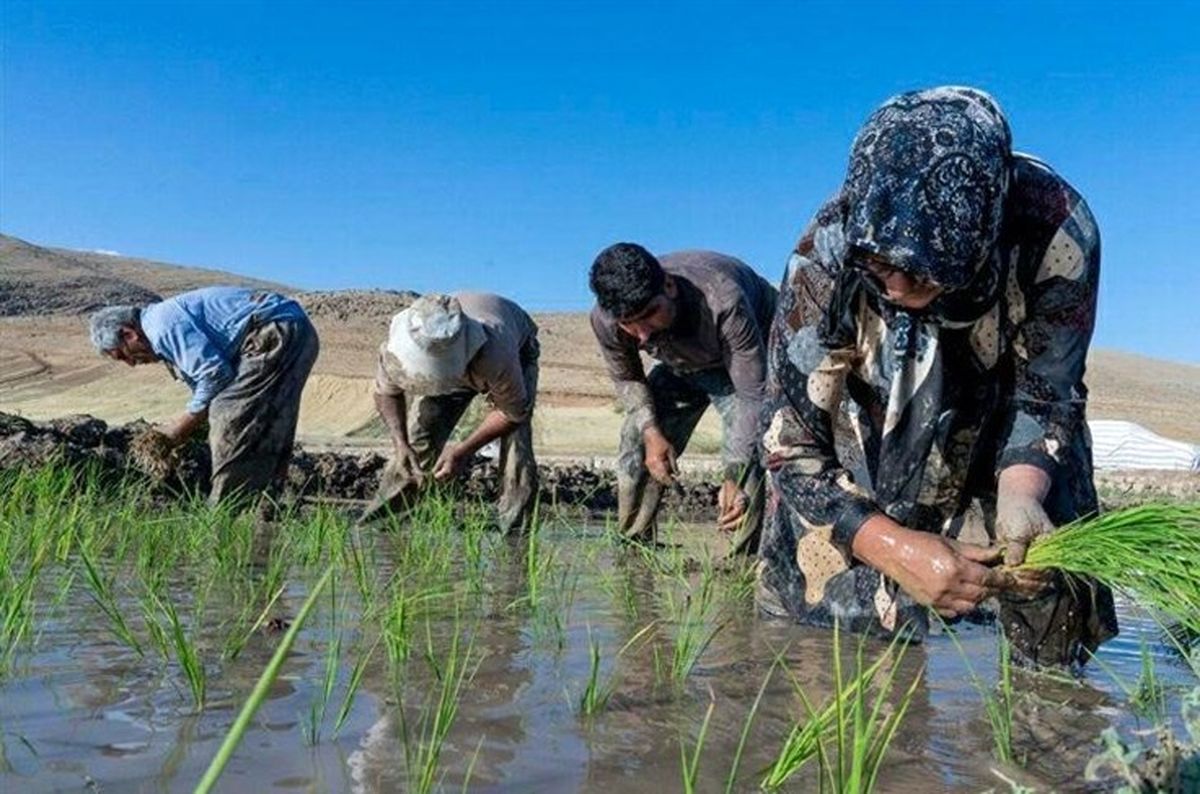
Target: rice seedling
x=1149, y=696
x=259, y=693
x=423, y=748
x=597, y=692
x=242, y=633
x=362, y=571
x=102, y=595
x=1151, y=552
x=694, y=628
x=148, y=603
x=859, y=729
x=16, y=612
x=998, y=701
x=689, y=767
x=475, y=563
x=536, y=564
x=863, y=733
x=731, y=781
x=397, y=619
x=186, y=652
x=333, y=662
x=352, y=687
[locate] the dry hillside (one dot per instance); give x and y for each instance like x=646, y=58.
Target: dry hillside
x=48, y=369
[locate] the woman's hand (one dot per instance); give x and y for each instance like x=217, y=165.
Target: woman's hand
x=1020, y=517
x=950, y=576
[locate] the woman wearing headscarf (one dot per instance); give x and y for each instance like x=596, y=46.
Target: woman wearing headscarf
x=925, y=392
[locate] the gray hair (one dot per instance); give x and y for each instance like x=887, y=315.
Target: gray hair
x=106, y=325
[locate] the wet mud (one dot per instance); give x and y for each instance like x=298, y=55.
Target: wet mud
x=136, y=449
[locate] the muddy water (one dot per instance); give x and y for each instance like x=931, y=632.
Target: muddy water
x=84, y=712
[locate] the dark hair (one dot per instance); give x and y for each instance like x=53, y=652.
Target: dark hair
x=625, y=278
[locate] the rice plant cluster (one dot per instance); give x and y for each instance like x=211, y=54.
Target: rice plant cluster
x=198, y=593
x=402, y=625
x=1151, y=552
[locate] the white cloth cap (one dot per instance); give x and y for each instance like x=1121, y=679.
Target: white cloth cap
x=433, y=341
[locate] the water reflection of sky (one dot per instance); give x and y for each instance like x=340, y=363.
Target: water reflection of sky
x=90, y=709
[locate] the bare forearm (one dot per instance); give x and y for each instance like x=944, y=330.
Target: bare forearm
x=393, y=410
x=878, y=541
x=1024, y=480
x=494, y=425
x=182, y=428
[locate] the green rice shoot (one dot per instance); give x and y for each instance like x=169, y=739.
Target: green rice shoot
x=1150, y=553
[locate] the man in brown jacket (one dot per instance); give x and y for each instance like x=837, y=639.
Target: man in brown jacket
x=705, y=317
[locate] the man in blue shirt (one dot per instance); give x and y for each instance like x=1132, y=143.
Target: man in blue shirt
x=245, y=355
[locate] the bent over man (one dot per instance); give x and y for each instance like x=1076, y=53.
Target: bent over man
x=704, y=316
x=246, y=356
x=444, y=350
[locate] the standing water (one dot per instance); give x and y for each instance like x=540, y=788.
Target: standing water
x=446, y=657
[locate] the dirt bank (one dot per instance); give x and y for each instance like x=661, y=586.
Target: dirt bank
x=85, y=439
x=340, y=475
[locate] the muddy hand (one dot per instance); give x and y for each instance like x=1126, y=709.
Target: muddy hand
x=406, y=463
x=1019, y=520
x=660, y=458
x=450, y=463
x=732, y=504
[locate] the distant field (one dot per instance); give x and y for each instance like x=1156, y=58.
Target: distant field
x=48, y=368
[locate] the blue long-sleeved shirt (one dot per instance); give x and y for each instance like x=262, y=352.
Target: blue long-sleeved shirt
x=200, y=333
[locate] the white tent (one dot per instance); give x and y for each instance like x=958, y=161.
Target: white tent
x=1127, y=445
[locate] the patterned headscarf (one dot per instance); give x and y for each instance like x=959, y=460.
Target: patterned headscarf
x=925, y=190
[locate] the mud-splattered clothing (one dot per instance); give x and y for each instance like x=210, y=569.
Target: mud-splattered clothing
x=495, y=371
x=874, y=409
x=679, y=402
x=199, y=333
x=252, y=421
x=505, y=371
x=714, y=354
x=723, y=314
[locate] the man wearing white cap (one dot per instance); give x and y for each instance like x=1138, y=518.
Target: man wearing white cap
x=444, y=350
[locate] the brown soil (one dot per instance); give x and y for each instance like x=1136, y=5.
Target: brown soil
x=48, y=369
x=136, y=450
x=139, y=451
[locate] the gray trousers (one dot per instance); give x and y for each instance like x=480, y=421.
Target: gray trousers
x=679, y=402
x=252, y=421
x=432, y=419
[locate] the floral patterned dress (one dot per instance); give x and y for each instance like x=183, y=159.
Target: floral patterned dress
x=871, y=408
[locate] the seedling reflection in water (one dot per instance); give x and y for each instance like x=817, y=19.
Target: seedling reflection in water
x=423, y=748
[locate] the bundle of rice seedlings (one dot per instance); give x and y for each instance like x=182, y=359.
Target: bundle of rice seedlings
x=154, y=454
x=1150, y=552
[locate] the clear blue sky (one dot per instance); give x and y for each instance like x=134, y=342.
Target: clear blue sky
x=499, y=145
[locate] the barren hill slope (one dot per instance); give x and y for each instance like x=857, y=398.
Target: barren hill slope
x=35, y=280
x=48, y=369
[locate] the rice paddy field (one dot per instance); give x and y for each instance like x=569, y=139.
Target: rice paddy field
x=150, y=645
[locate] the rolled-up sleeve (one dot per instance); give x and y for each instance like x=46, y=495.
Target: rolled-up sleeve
x=197, y=359
x=1047, y=409
x=745, y=355
x=624, y=364
x=497, y=372
x=805, y=383
x=385, y=384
